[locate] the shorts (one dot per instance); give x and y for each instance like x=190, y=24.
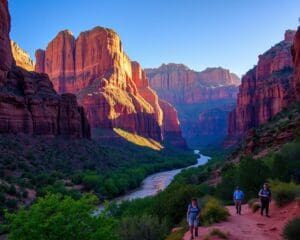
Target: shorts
x=193, y=222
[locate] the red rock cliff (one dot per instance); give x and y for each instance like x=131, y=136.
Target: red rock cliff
x=114, y=91
x=21, y=57
x=6, y=58
x=176, y=83
x=197, y=94
x=265, y=90
x=28, y=102
x=296, y=61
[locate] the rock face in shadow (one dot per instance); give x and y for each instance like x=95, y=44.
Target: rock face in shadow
x=196, y=95
x=6, y=59
x=265, y=90
x=296, y=61
x=28, y=102
x=114, y=91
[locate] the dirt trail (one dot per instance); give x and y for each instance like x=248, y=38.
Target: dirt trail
x=252, y=226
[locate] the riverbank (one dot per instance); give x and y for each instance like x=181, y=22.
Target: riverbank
x=155, y=183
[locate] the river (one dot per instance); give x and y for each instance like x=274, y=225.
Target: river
x=156, y=182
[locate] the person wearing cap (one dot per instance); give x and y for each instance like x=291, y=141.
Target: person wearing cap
x=238, y=197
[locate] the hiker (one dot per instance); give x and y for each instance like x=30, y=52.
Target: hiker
x=192, y=215
x=265, y=196
x=238, y=197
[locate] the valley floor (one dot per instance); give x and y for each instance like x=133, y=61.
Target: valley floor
x=250, y=226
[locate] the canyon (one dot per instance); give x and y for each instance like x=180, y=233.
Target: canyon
x=114, y=90
x=28, y=102
x=266, y=89
x=203, y=99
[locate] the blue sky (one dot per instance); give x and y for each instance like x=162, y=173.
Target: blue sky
x=198, y=33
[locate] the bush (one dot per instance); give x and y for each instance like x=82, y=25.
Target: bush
x=144, y=227
x=254, y=204
x=283, y=193
x=291, y=230
x=58, y=217
x=213, y=211
x=255, y=207
x=215, y=232
x=252, y=201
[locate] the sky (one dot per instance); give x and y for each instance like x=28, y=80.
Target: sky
x=197, y=33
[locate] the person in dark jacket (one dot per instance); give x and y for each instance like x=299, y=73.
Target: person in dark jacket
x=265, y=196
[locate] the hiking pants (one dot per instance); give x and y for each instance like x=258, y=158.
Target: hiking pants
x=264, y=205
x=238, y=206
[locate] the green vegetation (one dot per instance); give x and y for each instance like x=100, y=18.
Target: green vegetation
x=283, y=193
x=144, y=227
x=249, y=174
x=58, y=217
x=215, y=232
x=213, y=212
x=75, y=166
x=292, y=229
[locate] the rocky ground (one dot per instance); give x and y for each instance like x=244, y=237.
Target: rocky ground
x=251, y=226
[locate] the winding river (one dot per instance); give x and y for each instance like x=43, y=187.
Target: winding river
x=156, y=182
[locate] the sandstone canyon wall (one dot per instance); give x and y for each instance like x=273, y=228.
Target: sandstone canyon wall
x=114, y=91
x=202, y=99
x=265, y=90
x=28, y=102
x=296, y=61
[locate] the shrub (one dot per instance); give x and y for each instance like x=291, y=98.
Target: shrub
x=283, y=193
x=291, y=230
x=252, y=201
x=213, y=211
x=58, y=217
x=255, y=207
x=144, y=227
x=215, y=232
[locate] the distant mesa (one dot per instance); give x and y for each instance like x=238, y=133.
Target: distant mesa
x=202, y=99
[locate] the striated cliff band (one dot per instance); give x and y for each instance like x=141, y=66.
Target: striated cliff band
x=265, y=90
x=114, y=91
x=203, y=99
x=28, y=102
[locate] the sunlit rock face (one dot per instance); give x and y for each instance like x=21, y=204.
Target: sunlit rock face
x=202, y=99
x=21, y=57
x=28, y=102
x=114, y=91
x=266, y=89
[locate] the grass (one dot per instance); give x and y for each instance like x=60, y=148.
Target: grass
x=215, y=232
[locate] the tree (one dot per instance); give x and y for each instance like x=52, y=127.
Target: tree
x=56, y=217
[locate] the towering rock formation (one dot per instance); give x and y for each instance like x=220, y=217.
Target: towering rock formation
x=296, y=61
x=202, y=99
x=265, y=90
x=114, y=91
x=6, y=58
x=28, y=102
x=21, y=57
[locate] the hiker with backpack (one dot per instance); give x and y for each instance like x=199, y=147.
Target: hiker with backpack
x=238, y=197
x=192, y=215
x=265, y=196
